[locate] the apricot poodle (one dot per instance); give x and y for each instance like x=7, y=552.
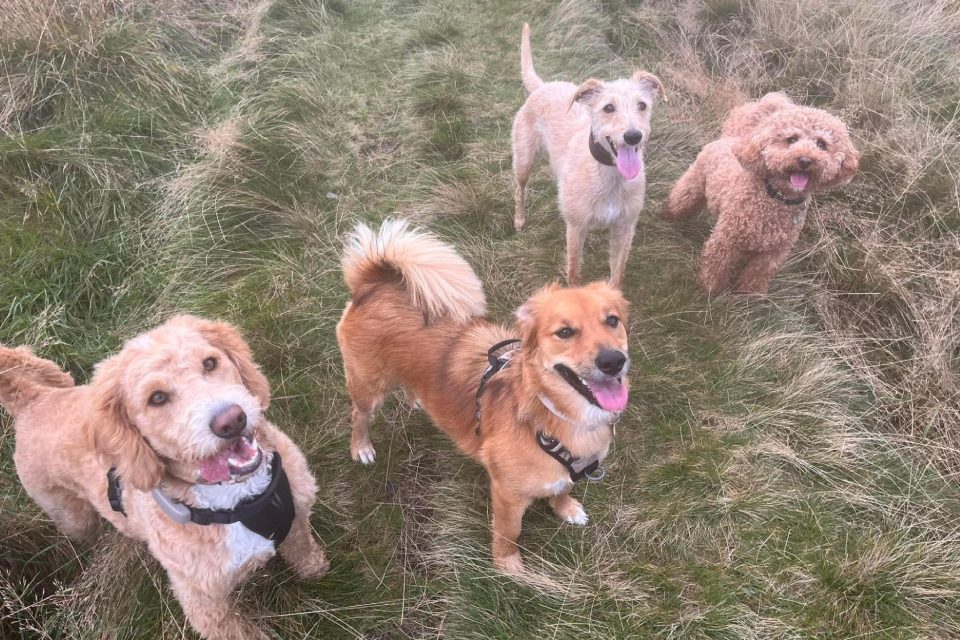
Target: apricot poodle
x=169, y=443
x=756, y=180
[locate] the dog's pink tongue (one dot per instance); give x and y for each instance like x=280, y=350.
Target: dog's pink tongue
x=610, y=394
x=629, y=162
x=215, y=468
x=799, y=180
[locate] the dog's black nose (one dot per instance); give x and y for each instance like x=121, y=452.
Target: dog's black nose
x=230, y=422
x=611, y=361
x=804, y=162
x=632, y=137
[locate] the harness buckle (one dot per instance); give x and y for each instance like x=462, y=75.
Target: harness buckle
x=599, y=474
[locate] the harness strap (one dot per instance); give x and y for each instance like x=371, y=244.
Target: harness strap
x=575, y=466
x=497, y=363
x=269, y=514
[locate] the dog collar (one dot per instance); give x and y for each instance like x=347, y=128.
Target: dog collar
x=497, y=363
x=775, y=193
x=578, y=468
x=600, y=154
x=269, y=514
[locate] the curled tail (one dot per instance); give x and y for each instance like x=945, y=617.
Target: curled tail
x=530, y=78
x=24, y=377
x=439, y=282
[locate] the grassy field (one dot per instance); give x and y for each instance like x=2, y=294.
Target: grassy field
x=787, y=468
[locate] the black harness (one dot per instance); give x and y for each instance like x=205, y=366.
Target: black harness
x=775, y=193
x=269, y=514
x=600, y=154
x=576, y=467
x=497, y=363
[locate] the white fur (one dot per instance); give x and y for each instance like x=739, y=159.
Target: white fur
x=245, y=545
x=202, y=409
x=558, y=487
x=578, y=517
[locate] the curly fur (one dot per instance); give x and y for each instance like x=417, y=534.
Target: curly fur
x=762, y=143
x=67, y=436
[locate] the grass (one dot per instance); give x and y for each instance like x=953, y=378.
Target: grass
x=788, y=467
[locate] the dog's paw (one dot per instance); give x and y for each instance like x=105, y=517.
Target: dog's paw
x=315, y=565
x=364, y=454
x=511, y=565
x=577, y=516
x=518, y=223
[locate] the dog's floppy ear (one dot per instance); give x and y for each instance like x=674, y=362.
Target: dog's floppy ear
x=650, y=82
x=849, y=165
x=587, y=91
x=225, y=337
x=114, y=435
x=528, y=315
x=748, y=149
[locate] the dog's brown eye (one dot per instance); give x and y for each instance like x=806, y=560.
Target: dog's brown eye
x=609, y=108
x=822, y=144
x=792, y=139
x=613, y=322
x=209, y=364
x=564, y=333
x=158, y=398
x=642, y=106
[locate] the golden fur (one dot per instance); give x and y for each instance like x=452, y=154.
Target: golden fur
x=559, y=117
x=388, y=340
x=767, y=140
x=68, y=436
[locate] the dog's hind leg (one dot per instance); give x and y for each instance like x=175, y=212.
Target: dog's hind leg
x=72, y=514
x=621, y=239
x=688, y=195
x=508, y=508
x=526, y=149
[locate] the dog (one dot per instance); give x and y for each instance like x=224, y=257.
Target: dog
x=756, y=179
x=595, y=136
x=170, y=432
x=415, y=321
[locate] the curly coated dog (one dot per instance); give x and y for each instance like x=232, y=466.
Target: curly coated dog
x=595, y=135
x=756, y=179
x=169, y=443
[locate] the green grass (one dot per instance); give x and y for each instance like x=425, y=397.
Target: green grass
x=787, y=467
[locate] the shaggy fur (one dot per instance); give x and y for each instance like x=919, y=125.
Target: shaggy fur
x=559, y=117
x=431, y=341
x=68, y=436
x=771, y=143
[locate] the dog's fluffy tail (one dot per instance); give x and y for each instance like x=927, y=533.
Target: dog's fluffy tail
x=24, y=377
x=439, y=282
x=530, y=78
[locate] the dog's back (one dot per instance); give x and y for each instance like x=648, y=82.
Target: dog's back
x=745, y=118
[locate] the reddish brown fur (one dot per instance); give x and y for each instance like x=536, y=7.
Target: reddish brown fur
x=68, y=436
x=753, y=230
x=386, y=344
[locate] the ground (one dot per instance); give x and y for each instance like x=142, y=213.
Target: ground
x=787, y=467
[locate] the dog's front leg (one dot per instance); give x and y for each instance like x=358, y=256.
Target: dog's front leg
x=621, y=239
x=209, y=607
x=760, y=269
x=508, y=508
x=302, y=550
x=575, y=238
x=718, y=262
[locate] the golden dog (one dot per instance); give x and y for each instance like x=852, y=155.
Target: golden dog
x=414, y=321
x=177, y=416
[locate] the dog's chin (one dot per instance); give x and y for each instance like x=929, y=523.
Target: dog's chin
x=604, y=393
x=236, y=461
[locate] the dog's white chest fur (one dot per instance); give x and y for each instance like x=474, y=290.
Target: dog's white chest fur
x=245, y=545
x=558, y=487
